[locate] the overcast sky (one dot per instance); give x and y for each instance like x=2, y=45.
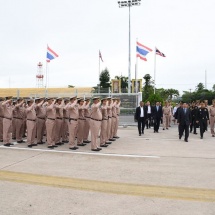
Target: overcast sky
x=183, y=30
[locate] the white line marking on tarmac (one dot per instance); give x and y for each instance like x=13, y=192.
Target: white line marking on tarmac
x=84, y=153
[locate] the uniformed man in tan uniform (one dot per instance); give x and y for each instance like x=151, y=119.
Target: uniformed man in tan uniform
x=65, y=129
x=166, y=113
x=95, y=123
x=72, y=108
x=109, y=127
x=87, y=113
x=103, y=133
x=7, y=121
x=1, y=119
x=81, y=122
x=50, y=122
x=118, y=103
x=31, y=123
x=114, y=118
x=41, y=118
x=18, y=117
x=212, y=117
x=59, y=121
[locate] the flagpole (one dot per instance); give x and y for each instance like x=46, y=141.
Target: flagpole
x=154, y=70
x=136, y=73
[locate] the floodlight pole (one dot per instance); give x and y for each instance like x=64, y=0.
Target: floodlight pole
x=129, y=53
x=129, y=4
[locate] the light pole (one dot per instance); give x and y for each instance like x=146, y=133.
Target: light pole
x=129, y=4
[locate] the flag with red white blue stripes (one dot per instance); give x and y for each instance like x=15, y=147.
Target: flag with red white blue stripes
x=159, y=53
x=142, y=51
x=51, y=55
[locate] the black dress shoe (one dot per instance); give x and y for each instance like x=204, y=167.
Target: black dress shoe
x=179, y=137
x=195, y=133
x=95, y=150
x=139, y=134
x=163, y=128
x=7, y=144
x=58, y=144
x=30, y=146
x=50, y=147
x=40, y=143
x=81, y=144
x=55, y=146
x=86, y=141
x=99, y=148
x=73, y=148
x=13, y=138
x=21, y=141
x=185, y=140
x=104, y=145
x=116, y=137
x=201, y=137
x=112, y=139
x=166, y=128
x=34, y=144
x=1, y=141
x=108, y=142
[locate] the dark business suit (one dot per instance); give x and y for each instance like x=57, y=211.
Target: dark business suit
x=157, y=115
x=141, y=120
x=184, y=120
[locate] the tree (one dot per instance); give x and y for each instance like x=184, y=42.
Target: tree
x=172, y=93
x=124, y=83
x=71, y=86
x=104, y=81
x=200, y=87
x=147, y=87
x=213, y=88
x=153, y=98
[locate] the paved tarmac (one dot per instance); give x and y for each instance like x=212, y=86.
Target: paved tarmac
x=154, y=174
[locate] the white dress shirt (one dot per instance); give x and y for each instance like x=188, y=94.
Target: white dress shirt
x=149, y=109
x=141, y=112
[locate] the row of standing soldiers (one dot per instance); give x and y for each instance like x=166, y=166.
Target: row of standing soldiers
x=60, y=120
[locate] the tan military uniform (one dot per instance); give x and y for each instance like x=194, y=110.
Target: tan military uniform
x=81, y=122
x=59, y=122
x=50, y=124
x=166, y=114
x=212, y=118
x=7, y=121
x=103, y=133
x=73, y=122
x=31, y=124
x=109, y=124
x=41, y=119
x=87, y=113
x=18, y=118
x=117, y=119
x=95, y=124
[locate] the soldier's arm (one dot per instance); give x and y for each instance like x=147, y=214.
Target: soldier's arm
x=72, y=105
x=5, y=102
x=30, y=108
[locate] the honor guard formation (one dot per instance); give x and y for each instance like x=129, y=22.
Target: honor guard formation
x=59, y=120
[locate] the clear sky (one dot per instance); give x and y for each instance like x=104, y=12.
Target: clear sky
x=183, y=30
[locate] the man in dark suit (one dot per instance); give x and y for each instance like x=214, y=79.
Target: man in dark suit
x=140, y=116
x=157, y=116
x=184, y=121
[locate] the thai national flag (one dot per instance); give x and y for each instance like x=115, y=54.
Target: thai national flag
x=50, y=54
x=142, y=51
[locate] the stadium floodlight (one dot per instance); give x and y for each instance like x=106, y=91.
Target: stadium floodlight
x=129, y=4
